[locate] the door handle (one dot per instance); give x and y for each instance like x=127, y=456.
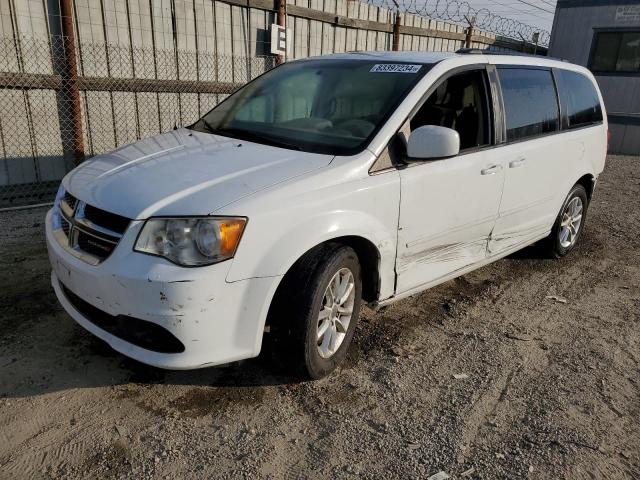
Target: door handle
x=491, y=170
x=517, y=163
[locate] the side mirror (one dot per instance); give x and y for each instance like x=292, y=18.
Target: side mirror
x=431, y=142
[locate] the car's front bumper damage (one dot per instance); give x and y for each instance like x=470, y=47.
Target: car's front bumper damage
x=212, y=321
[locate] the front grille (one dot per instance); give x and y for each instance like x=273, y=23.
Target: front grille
x=66, y=227
x=105, y=219
x=141, y=333
x=91, y=234
x=70, y=200
x=96, y=246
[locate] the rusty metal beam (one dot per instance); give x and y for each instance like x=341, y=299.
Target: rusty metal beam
x=70, y=73
x=101, y=84
x=396, y=32
x=282, y=21
x=30, y=81
x=33, y=81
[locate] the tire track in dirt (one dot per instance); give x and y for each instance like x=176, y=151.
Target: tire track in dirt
x=550, y=385
x=48, y=443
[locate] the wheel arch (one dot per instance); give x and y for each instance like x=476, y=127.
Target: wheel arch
x=588, y=182
x=369, y=257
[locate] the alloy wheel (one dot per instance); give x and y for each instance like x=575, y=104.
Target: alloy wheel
x=336, y=312
x=571, y=222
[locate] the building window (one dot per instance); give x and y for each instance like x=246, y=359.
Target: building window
x=616, y=52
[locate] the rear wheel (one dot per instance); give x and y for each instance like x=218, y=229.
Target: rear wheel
x=569, y=224
x=316, y=308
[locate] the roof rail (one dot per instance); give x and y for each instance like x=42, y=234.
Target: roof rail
x=476, y=51
x=479, y=51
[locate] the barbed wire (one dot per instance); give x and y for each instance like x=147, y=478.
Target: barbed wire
x=461, y=12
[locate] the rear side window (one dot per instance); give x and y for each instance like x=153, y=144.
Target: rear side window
x=579, y=100
x=530, y=102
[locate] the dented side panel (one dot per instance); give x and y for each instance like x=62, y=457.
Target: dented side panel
x=447, y=212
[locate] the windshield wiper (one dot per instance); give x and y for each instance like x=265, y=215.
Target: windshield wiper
x=251, y=136
x=208, y=127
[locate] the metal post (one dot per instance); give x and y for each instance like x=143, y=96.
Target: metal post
x=396, y=33
x=469, y=31
x=523, y=48
x=70, y=79
x=282, y=20
x=536, y=39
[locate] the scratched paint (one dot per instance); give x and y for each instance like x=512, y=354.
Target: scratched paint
x=454, y=252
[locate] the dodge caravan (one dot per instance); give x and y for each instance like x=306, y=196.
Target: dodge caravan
x=321, y=184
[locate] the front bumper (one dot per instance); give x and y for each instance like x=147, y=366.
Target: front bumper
x=216, y=321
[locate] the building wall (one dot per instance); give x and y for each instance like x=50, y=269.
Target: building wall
x=572, y=38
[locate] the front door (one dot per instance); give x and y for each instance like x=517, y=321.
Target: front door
x=448, y=207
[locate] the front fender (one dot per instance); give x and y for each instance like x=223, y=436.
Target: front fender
x=280, y=231
x=289, y=246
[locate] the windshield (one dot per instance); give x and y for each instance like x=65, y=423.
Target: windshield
x=322, y=106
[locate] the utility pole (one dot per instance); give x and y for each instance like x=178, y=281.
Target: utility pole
x=469, y=31
x=70, y=86
x=396, y=28
x=282, y=20
x=396, y=32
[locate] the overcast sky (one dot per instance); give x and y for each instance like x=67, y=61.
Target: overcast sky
x=537, y=13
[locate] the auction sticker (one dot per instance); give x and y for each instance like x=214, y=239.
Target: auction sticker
x=395, y=68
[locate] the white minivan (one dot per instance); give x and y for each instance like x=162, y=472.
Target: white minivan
x=323, y=183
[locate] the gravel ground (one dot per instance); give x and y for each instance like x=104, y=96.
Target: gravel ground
x=550, y=388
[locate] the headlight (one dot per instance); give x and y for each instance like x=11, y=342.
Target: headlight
x=55, y=217
x=191, y=242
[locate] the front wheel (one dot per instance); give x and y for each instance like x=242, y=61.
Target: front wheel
x=569, y=224
x=316, y=309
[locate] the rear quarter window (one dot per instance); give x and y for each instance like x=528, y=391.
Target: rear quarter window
x=530, y=102
x=578, y=99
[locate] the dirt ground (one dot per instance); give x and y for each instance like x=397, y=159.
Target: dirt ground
x=552, y=388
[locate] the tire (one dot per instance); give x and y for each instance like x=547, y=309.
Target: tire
x=294, y=314
x=560, y=242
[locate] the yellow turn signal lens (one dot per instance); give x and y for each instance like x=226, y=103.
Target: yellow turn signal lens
x=230, y=233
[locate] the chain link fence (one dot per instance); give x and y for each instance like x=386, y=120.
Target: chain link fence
x=136, y=69
x=50, y=120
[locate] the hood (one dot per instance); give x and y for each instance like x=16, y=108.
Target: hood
x=184, y=172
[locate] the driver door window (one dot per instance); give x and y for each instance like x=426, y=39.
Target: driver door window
x=460, y=102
